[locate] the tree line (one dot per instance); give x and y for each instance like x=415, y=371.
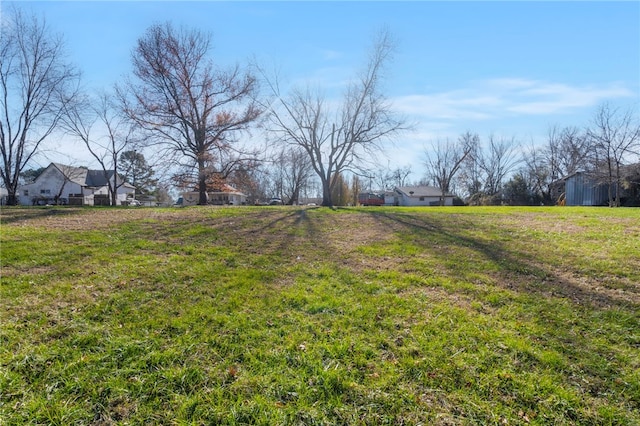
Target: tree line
x=195, y=117
x=505, y=171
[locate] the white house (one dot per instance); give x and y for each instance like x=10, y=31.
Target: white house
x=60, y=184
x=420, y=196
x=3, y=196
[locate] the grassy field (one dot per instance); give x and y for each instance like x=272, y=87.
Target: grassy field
x=284, y=315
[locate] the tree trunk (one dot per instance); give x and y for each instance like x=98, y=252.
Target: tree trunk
x=617, y=199
x=294, y=196
x=202, y=183
x=326, y=194
x=12, y=199
x=114, y=197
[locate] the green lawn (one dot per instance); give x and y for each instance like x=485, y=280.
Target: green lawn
x=284, y=315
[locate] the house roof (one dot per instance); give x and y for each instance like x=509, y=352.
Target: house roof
x=421, y=191
x=625, y=169
x=86, y=177
x=230, y=189
x=74, y=174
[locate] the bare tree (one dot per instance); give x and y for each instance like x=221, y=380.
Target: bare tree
x=615, y=134
x=387, y=179
x=186, y=104
x=114, y=135
x=445, y=159
x=292, y=170
x=339, y=139
x=500, y=159
x=537, y=173
x=35, y=85
x=567, y=151
x=469, y=178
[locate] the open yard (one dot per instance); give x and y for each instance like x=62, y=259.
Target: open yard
x=286, y=315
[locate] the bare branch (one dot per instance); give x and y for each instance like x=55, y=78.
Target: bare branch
x=184, y=103
x=361, y=122
x=36, y=84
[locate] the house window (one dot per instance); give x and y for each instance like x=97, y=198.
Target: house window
x=26, y=192
x=421, y=198
x=45, y=191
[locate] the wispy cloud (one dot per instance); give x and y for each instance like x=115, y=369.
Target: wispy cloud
x=518, y=105
x=505, y=97
x=330, y=55
x=456, y=105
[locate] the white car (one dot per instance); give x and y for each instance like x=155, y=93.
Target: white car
x=135, y=203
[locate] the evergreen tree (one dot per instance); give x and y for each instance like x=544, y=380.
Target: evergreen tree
x=136, y=171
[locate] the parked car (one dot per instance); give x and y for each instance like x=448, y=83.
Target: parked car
x=135, y=203
x=275, y=202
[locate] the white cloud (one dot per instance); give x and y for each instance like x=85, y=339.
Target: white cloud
x=506, y=97
x=550, y=98
x=516, y=107
x=330, y=55
x=450, y=106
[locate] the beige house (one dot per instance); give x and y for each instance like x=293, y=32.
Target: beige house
x=228, y=196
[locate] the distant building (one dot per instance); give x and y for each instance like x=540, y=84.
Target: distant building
x=420, y=196
x=60, y=184
x=228, y=195
x=580, y=190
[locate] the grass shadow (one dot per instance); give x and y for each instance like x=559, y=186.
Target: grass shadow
x=518, y=271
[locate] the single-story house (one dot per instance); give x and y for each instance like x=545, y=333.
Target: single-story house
x=419, y=196
x=61, y=184
x=228, y=195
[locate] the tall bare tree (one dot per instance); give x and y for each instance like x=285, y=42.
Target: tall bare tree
x=615, y=134
x=500, y=158
x=386, y=179
x=291, y=172
x=399, y=176
x=537, y=173
x=567, y=151
x=342, y=138
x=105, y=133
x=191, y=108
x=35, y=85
x=445, y=159
x=469, y=178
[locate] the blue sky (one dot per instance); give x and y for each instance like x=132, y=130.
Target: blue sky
x=510, y=69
